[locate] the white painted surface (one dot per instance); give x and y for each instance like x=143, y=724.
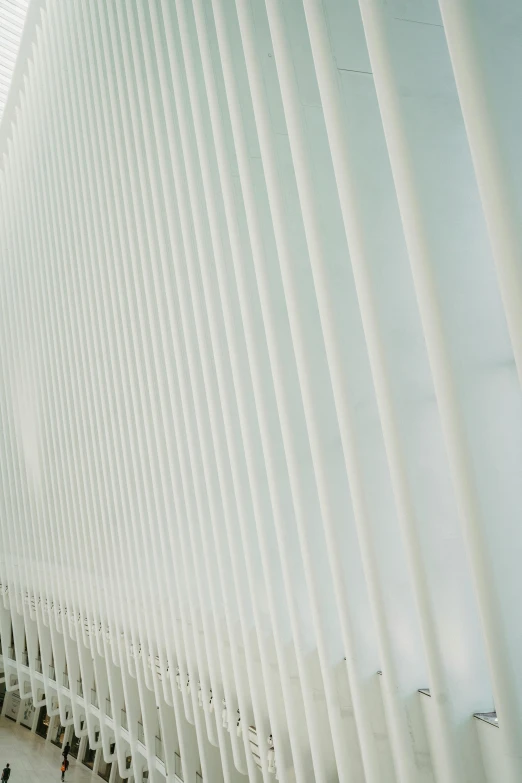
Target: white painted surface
x=261, y=416
x=12, y=19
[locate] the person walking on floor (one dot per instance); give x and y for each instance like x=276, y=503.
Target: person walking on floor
x=65, y=751
x=64, y=767
x=5, y=773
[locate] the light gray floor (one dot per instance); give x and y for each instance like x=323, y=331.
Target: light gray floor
x=33, y=760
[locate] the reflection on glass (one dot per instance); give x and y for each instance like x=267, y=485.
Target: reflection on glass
x=178, y=769
x=104, y=769
x=42, y=726
x=89, y=756
x=58, y=735
x=75, y=746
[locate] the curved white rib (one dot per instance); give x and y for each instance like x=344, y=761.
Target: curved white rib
x=261, y=415
x=12, y=19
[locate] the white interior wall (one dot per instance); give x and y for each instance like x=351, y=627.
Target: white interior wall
x=259, y=395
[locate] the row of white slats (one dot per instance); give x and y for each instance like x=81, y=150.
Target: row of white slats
x=259, y=400
x=12, y=19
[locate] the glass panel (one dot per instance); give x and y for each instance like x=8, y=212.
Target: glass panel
x=178, y=769
x=89, y=756
x=38, y=665
x=28, y=711
x=75, y=747
x=65, y=680
x=52, y=674
x=124, y=721
x=58, y=735
x=25, y=659
x=117, y=777
x=104, y=769
x=42, y=726
x=79, y=688
x=13, y=706
x=159, y=749
x=11, y=654
x=94, y=698
x=141, y=733
x=108, y=708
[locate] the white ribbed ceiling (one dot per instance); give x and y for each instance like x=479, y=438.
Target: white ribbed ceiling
x=12, y=19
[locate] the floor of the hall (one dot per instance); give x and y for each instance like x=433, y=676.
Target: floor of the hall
x=33, y=760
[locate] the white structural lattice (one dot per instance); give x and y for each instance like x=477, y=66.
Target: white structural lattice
x=12, y=20
x=260, y=400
